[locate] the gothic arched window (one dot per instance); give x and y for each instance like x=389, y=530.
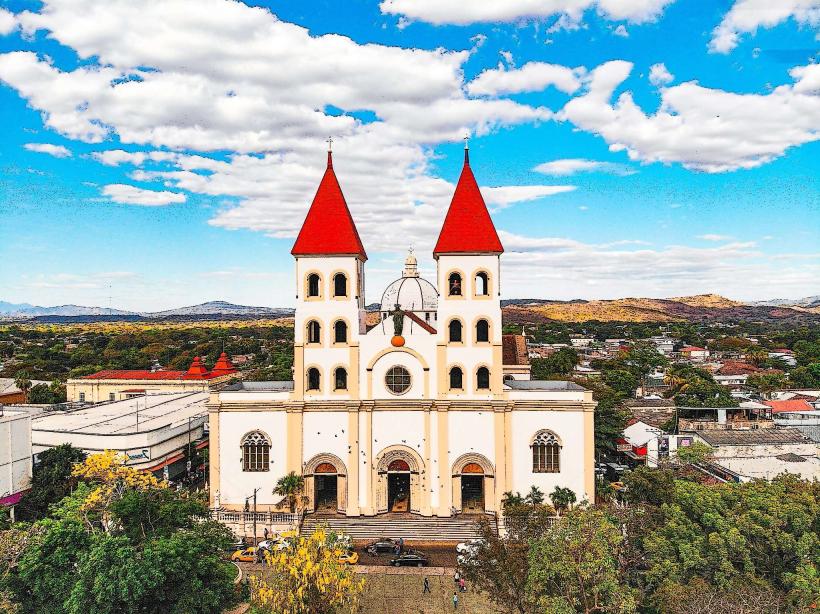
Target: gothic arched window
x=482, y=284
x=454, y=284
x=482, y=378
x=546, y=453
x=456, y=378
x=314, y=379
x=454, y=330
x=313, y=285
x=255, y=452
x=482, y=331
x=340, y=331
x=340, y=379
x=314, y=332
x=340, y=284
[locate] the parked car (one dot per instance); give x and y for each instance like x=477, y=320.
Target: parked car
x=471, y=545
x=410, y=558
x=384, y=545
x=351, y=557
x=246, y=555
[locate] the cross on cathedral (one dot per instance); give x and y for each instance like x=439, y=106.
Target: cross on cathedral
x=330, y=143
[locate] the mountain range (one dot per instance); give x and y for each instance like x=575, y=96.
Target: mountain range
x=698, y=308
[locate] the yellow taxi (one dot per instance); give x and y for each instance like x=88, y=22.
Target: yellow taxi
x=246, y=555
x=351, y=557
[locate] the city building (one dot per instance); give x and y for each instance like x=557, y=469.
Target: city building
x=10, y=393
x=115, y=385
x=152, y=430
x=413, y=413
x=693, y=352
x=15, y=456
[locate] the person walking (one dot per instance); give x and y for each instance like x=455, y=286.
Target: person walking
x=426, y=585
x=266, y=533
x=457, y=577
x=455, y=600
x=462, y=585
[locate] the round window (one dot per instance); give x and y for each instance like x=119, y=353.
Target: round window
x=397, y=380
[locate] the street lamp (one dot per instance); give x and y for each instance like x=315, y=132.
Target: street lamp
x=253, y=496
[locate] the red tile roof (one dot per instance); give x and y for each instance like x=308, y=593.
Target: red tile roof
x=467, y=228
x=733, y=367
x=197, y=370
x=223, y=366
x=514, y=350
x=790, y=405
x=692, y=348
x=329, y=229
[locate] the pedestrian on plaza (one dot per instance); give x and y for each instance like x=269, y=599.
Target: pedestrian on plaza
x=397, y=549
x=266, y=532
x=455, y=600
x=462, y=585
x=426, y=585
x=457, y=577
x=401, y=544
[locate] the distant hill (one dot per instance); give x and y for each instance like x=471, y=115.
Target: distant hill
x=12, y=307
x=222, y=308
x=69, y=310
x=78, y=313
x=809, y=302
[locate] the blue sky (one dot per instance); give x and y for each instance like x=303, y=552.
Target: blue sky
x=155, y=156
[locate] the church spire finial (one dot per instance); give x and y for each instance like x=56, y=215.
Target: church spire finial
x=330, y=152
x=467, y=148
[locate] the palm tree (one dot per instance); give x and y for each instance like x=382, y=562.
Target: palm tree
x=24, y=384
x=291, y=487
x=510, y=499
x=535, y=496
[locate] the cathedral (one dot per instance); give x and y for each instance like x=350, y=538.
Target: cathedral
x=424, y=408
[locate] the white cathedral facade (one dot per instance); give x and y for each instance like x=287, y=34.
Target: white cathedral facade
x=428, y=411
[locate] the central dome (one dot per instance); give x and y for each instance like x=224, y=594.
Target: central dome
x=411, y=293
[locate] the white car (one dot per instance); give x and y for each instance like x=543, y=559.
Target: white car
x=470, y=546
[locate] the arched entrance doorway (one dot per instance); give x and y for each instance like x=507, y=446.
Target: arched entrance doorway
x=326, y=484
x=398, y=486
x=473, y=484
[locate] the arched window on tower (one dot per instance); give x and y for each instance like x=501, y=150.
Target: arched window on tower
x=314, y=379
x=340, y=331
x=482, y=378
x=454, y=284
x=482, y=331
x=454, y=331
x=482, y=284
x=340, y=379
x=255, y=452
x=340, y=284
x=313, y=285
x=456, y=378
x=314, y=332
x=546, y=453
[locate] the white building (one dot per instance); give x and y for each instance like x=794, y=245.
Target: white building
x=415, y=413
x=15, y=455
x=151, y=431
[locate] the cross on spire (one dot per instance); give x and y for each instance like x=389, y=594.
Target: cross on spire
x=330, y=143
x=467, y=148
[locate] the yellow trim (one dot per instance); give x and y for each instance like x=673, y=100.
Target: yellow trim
x=332, y=387
x=294, y=423
x=490, y=331
x=305, y=294
x=473, y=285
x=367, y=465
x=332, y=287
x=475, y=379
x=497, y=372
x=500, y=457
x=589, y=449
x=353, y=461
x=298, y=367
x=317, y=391
x=213, y=452
x=444, y=480
x=353, y=375
x=464, y=386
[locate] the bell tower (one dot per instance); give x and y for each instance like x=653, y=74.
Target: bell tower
x=468, y=255
x=330, y=314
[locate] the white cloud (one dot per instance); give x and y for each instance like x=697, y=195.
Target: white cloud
x=461, y=12
x=8, y=22
x=571, y=166
x=746, y=16
x=504, y=196
x=714, y=237
x=58, y=151
x=621, y=31
x=556, y=265
x=659, y=75
x=132, y=195
x=531, y=77
x=704, y=129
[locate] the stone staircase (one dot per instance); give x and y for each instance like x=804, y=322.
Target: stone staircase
x=408, y=526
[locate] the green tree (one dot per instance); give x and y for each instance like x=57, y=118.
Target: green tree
x=621, y=381
x=51, y=481
x=651, y=486
x=562, y=498
x=805, y=377
x=535, y=496
x=560, y=363
x=766, y=383
x=23, y=383
x=292, y=487
x=575, y=566
x=47, y=394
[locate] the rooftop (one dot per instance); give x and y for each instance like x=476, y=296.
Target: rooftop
x=514, y=350
x=753, y=437
x=151, y=412
x=542, y=384
x=790, y=405
x=274, y=386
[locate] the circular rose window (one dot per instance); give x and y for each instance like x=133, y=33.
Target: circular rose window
x=397, y=380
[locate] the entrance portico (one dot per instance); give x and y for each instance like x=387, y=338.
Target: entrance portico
x=399, y=482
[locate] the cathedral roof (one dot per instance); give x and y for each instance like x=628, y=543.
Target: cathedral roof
x=223, y=366
x=467, y=227
x=328, y=229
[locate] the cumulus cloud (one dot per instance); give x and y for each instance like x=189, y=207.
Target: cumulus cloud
x=659, y=75
x=504, y=196
x=714, y=237
x=702, y=128
x=531, y=77
x=460, y=12
x=132, y=195
x=8, y=23
x=58, y=151
x=556, y=266
x=746, y=16
x=571, y=166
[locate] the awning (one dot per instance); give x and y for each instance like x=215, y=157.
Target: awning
x=13, y=499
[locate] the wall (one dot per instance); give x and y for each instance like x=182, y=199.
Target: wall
x=98, y=391
x=15, y=452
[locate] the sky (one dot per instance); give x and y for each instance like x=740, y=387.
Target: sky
x=156, y=154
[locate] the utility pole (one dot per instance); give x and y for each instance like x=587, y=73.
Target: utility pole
x=255, y=490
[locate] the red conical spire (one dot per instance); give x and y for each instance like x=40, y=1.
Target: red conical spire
x=197, y=370
x=467, y=228
x=223, y=366
x=329, y=229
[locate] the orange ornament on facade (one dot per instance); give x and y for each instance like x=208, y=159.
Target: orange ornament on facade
x=397, y=341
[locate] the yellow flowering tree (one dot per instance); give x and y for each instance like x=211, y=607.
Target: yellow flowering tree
x=111, y=479
x=306, y=578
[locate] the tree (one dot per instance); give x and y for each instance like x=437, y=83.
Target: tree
x=52, y=480
x=560, y=363
x=621, y=381
x=535, y=496
x=47, y=394
x=291, y=486
x=306, y=578
x=23, y=382
x=651, y=486
x=696, y=453
x=562, y=498
x=699, y=597
x=766, y=383
x=575, y=567
x=702, y=392
x=805, y=377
